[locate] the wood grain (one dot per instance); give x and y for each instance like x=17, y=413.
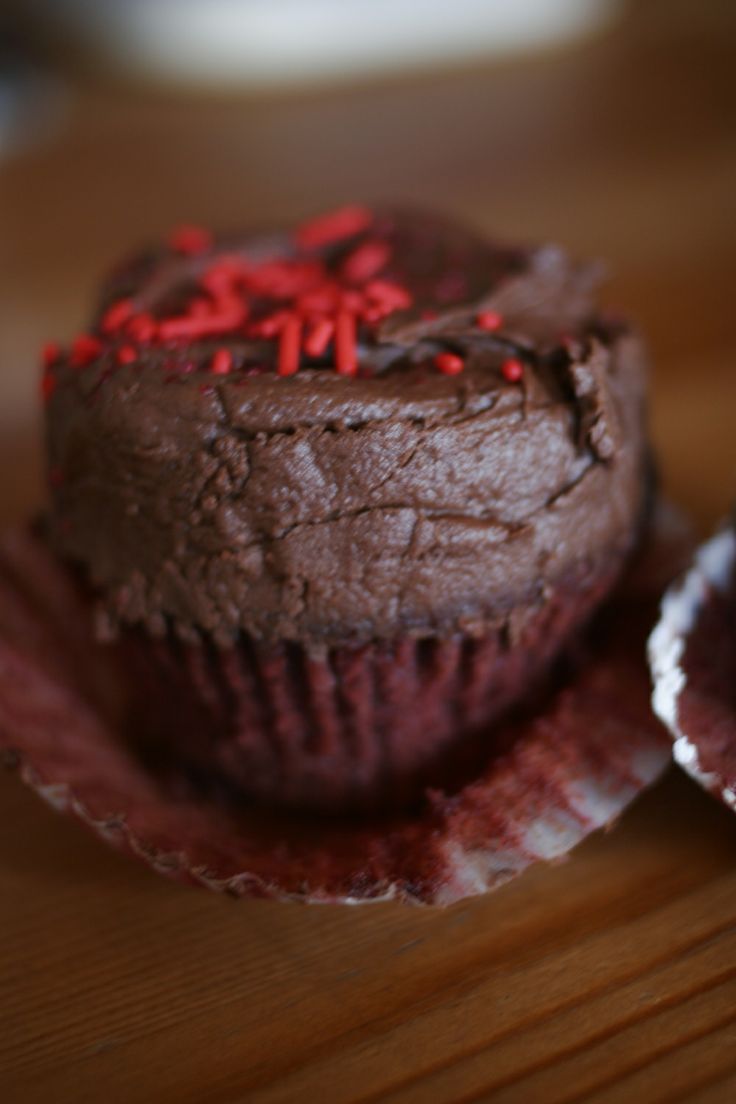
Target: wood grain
x=610, y=978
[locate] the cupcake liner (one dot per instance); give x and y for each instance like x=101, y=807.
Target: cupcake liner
x=692, y=652
x=355, y=728
x=588, y=751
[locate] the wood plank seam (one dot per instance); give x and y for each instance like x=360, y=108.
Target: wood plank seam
x=723, y=1077
x=569, y=1052
x=622, y=1074
x=438, y=996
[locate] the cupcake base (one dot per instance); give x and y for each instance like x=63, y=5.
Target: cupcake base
x=354, y=729
x=692, y=653
x=571, y=768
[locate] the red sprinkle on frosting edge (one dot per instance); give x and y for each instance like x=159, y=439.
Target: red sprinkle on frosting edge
x=345, y=222
x=222, y=362
x=489, y=320
x=450, y=364
x=512, y=370
x=190, y=240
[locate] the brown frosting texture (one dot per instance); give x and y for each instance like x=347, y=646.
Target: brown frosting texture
x=326, y=508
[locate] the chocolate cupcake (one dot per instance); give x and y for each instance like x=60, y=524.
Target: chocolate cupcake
x=343, y=497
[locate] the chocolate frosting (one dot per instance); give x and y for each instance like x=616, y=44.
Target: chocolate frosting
x=324, y=509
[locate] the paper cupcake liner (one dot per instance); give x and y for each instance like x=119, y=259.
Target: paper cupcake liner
x=356, y=728
x=692, y=653
x=572, y=768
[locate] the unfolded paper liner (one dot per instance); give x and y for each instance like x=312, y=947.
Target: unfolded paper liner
x=572, y=768
x=692, y=653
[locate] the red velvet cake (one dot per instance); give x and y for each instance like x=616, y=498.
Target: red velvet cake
x=342, y=497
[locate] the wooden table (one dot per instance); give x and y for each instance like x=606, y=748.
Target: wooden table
x=609, y=978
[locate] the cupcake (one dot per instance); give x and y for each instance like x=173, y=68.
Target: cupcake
x=343, y=498
x=692, y=652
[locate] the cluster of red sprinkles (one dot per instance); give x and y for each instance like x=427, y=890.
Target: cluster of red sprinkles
x=296, y=302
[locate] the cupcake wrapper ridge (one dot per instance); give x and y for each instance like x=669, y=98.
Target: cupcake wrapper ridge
x=361, y=728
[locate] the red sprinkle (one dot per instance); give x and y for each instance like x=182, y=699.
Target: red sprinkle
x=351, y=301
x=117, y=315
x=48, y=386
x=284, y=279
x=196, y=326
x=366, y=261
x=85, y=349
x=319, y=300
x=374, y=314
x=222, y=362
x=289, y=342
x=142, y=327
x=126, y=354
x=346, y=360
x=489, y=320
x=450, y=364
x=389, y=295
x=319, y=337
x=342, y=223
x=190, y=240
x=199, y=308
x=512, y=370
x=222, y=275
x=50, y=354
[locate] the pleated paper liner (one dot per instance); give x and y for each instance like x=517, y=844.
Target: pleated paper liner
x=571, y=768
x=354, y=728
x=692, y=653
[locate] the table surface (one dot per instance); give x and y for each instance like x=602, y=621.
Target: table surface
x=611, y=977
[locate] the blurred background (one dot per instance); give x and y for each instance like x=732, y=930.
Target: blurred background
x=607, y=125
